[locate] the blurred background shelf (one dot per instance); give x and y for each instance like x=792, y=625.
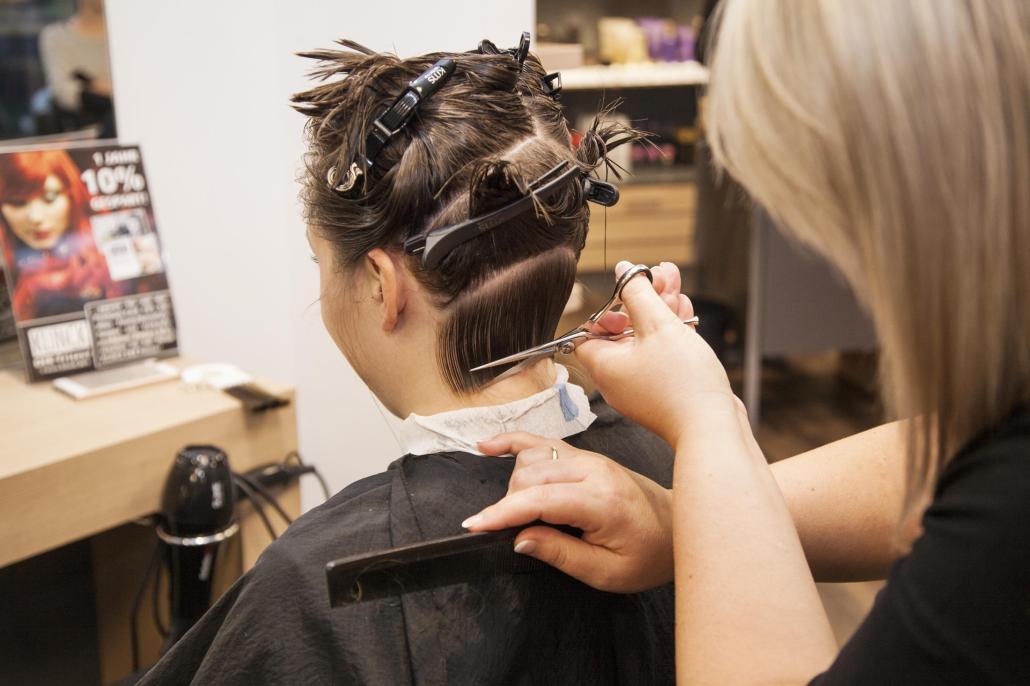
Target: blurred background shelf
x=673, y=174
x=642, y=75
x=651, y=223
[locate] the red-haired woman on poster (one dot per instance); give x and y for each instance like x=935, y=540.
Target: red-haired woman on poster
x=47, y=242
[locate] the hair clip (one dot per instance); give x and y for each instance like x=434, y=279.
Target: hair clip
x=520, y=53
x=487, y=47
x=552, y=85
x=435, y=245
x=392, y=121
x=349, y=179
x=600, y=192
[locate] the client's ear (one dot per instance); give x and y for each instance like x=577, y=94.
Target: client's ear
x=388, y=280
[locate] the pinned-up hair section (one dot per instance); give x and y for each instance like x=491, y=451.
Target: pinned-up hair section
x=390, y=123
x=434, y=245
x=480, y=143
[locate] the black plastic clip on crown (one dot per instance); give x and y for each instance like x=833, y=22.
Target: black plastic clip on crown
x=391, y=122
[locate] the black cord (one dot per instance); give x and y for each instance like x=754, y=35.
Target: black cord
x=249, y=492
x=295, y=455
x=155, y=610
x=254, y=491
x=263, y=492
x=134, y=610
x=321, y=481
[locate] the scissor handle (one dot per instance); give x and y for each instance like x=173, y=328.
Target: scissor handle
x=626, y=333
x=619, y=285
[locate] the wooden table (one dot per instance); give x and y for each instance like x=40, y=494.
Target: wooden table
x=72, y=470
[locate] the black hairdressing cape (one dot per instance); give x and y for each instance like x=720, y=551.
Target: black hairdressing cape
x=275, y=626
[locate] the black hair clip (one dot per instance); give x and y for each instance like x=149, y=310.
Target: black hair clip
x=435, y=245
x=522, y=52
x=600, y=192
x=519, y=54
x=552, y=85
x=392, y=121
x=487, y=47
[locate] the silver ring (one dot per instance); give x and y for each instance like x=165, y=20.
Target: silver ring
x=554, y=453
x=192, y=541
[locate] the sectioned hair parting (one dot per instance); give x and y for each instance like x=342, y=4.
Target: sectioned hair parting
x=491, y=129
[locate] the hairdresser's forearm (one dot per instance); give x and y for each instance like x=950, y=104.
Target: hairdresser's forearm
x=845, y=499
x=747, y=611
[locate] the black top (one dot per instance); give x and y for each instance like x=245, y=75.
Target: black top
x=956, y=609
x=275, y=626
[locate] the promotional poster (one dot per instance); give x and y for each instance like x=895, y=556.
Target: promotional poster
x=7, y=330
x=84, y=266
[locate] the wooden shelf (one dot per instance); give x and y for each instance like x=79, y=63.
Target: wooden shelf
x=649, y=176
x=74, y=468
x=651, y=222
x=643, y=75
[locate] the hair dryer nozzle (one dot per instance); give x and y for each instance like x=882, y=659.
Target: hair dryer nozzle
x=198, y=497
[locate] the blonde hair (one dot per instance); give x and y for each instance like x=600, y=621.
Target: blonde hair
x=893, y=137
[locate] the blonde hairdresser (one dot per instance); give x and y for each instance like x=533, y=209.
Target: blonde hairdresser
x=893, y=137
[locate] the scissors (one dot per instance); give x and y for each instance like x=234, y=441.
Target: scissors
x=568, y=343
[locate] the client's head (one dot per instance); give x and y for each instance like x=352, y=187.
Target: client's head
x=414, y=331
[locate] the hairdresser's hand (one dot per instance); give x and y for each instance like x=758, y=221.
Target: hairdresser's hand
x=667, y=284
x=664, y=377
x=626, y=518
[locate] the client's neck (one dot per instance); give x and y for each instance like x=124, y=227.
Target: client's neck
x=427, y=396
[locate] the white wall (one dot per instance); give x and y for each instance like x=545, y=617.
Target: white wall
x=193, y=89
x=203, y=87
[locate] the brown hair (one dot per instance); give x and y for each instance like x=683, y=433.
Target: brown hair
x=893, y=137
x=475, y=145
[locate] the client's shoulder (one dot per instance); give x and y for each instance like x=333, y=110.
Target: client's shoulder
x=440, y=490
x=354, y=520
x=453, y=468
x=626, y=442
x=417, y=497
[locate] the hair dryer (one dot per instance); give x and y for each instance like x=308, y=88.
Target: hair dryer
x=197, y=510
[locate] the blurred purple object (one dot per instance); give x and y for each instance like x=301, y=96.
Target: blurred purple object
x=686, y=43
x=653, y=30
x=667, y=41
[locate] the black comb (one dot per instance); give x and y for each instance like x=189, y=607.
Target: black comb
x=427, y=565
x=255, y=398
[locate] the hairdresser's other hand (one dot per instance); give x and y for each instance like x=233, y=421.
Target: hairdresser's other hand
x=626, y=518
x=667, y=284
x=664, y=377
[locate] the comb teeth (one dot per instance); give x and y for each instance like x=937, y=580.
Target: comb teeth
x=386, y=578
x=432, y=564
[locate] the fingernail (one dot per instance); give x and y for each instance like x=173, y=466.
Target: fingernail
x=622, y=266
x=474, y=520
x=525, y=547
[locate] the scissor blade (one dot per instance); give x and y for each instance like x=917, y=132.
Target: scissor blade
x=542, y=350
x=539, y=351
